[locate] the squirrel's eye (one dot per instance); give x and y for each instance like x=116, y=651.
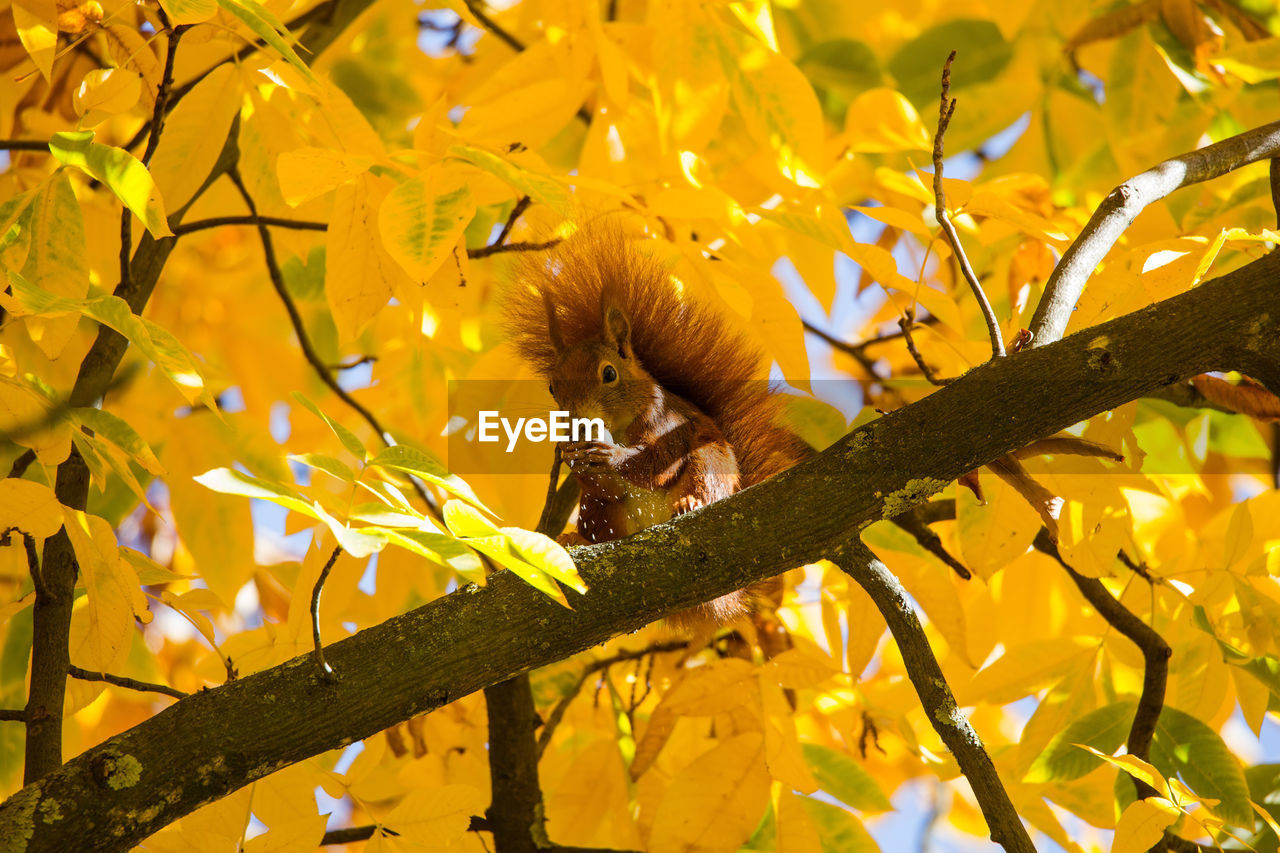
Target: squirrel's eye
x=609, y=374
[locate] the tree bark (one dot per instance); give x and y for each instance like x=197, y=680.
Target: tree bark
x=218, y=740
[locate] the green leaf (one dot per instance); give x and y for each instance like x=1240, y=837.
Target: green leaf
x=269, y=28
x=541, y=188
x=419, y=463
x=441, y=549
x=231, y=482
x=1186, y=747
x=98, y=458
x=153, y=341
x=421, y=222
x=358, y=543
x=839, y=831
x=845, y=779
x=1062, y=761
x=346, y=436
x=982, y=53
x=149, y=571
x=381, y=515
x=119, y=433
x=498, y=548
x=328, y=464
x=545, y=553
x=119, y=170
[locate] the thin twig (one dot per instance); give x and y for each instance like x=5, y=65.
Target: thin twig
x=499, y=248
x=477, y=11
x=295, y=318
x=13, y=715
x=521, y=205
x=243, y=53
x=25, y=145
x=1113, y=217
x=906, y=323
x=128, y=683
x=558, y=712
x=946, y=108
x=22, y=463
x=855, y=351
x=166, y=86
x=315, y=614
x=276, y=221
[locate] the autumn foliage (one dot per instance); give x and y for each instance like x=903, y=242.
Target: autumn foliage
x=248, y=246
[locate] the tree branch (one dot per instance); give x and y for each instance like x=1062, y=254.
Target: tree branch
x=220, y=739
x=855, y=560
x=946, y=108
x=275, y=221
x=129, y=683
x=1123, y=205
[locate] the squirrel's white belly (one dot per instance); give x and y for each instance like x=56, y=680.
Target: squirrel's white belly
x=645, y=508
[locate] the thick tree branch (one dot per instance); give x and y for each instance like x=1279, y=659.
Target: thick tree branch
x=940, y=705
x=1123, y=205
x=218, y=740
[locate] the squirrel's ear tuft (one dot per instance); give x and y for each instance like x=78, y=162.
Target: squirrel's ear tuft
x=553, y=326
x=617, y=330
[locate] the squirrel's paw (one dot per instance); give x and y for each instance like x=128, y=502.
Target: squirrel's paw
x=582, y=456
x=687, y=503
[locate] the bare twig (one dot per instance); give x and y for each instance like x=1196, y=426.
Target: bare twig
x=12, y=715
x=558, y=712
x=315, y=613
x=521, y=205
x=22, y=463
x=856, y=560
x=476, y=8
x=500, y=248
x=278, y=222
x=128, y=683
x=25, y=145
x=166, y=86
x=914, y=521
x=182, y=91
x=906, y=324
x=856, y=351
x=946, y=108
x=1123, y=205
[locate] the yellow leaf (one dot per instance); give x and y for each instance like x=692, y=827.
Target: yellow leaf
x=194, y=135
x=796, y=833
x=881, y=120
x=102, y=628
x=189, y=12
x=37, y=23
x=1022, y=670
x=30, y=507
x=20, y=407
x=104, y=92
x=430, y=819
x=56, y=262
x=299, y=835
x=308, y=173
x=421, y=221
x=130, y=50
x=781, y=745
x=777, y=103
x=715, y=803
x=1143, y=824
x=715, y=688
x=662, y=722
x=360, y=276
x=866, y=627
x=996, y=533
x=1134, y=766
x=800, y=668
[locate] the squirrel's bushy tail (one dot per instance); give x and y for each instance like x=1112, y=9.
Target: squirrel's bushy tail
x=688, y=347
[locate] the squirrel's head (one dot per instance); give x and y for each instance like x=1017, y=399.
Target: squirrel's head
x=601, y=377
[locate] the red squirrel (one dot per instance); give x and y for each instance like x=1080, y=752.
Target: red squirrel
x=677, y=387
